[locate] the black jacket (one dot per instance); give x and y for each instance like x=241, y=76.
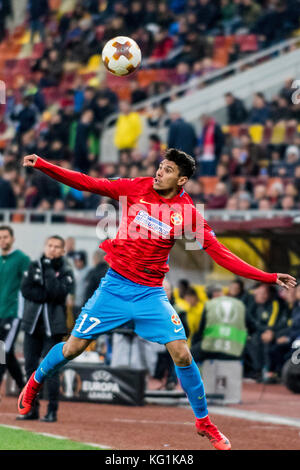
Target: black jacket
x=45, y=287
x=93, y=279
x=7, y=196
x=182, y=136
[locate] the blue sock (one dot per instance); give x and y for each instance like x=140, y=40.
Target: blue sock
x=51, y=363
x=191, y=382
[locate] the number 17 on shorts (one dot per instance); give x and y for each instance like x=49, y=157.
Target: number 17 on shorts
x=87, y=324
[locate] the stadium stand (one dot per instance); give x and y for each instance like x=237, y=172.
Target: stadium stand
x=49, y=94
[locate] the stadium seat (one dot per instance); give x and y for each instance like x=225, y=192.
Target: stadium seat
x=243, y=130
x=220, y=56
x=278, y=134
x=146, y=77
x=209, y=183
x=248, y=43
x=267, y=134
x=290, y=133
x=234, y=130
x=54, y=5
x=220, y=41
x=256, y=133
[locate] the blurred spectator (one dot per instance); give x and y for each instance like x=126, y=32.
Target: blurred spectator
x=281, y=110
x=266, y=317
x=229, y=16
x=7, y=195
x=80, y=272
x=182, y=135
x=259, y=193
x=236, y=111
x=281, y=350
x=288, y=203
x=275, y=163
x=163, y=45
x=212, y=141
x=82, y=155
x=158, y=116
x=128, y=128
x=244, y=201
x=250, y=12
x=291, y=160
x=209, y=342
x=38, y=10
x=193, y=312
x=237, y=290
x=103, y=108
x=40, y=188
x=25, y=115
x=260, y=110
x=218, y=200
x=264, y=205
x=207, y=15
x=95, y=274
x=287, y=90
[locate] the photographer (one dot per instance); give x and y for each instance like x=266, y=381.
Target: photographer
x=45, y=287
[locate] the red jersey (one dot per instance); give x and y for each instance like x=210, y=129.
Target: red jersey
x=149, y=227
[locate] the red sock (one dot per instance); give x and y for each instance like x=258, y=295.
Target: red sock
x=205, y=420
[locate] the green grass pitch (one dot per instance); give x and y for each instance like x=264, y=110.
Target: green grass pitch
x=16, y=439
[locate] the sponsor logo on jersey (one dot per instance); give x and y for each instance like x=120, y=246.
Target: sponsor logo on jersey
x=145, y=220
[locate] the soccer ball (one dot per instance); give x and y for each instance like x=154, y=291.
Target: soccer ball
x=121, y=56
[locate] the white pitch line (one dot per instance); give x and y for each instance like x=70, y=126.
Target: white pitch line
x=255, y=416
x=148, y=421
x=55, y=436
x=231, y=412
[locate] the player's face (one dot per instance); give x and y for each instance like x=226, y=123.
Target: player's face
x=167, y=177
x=6, y=240
x=54, y=248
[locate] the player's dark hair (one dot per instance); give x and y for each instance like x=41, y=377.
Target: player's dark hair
x=8, y=228
x=185, y=162
x=57, y=237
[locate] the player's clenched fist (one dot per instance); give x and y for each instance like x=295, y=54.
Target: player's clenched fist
x=30, y=160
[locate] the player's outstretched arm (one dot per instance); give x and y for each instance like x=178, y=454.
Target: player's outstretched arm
x=74, y=179
x=225, y=258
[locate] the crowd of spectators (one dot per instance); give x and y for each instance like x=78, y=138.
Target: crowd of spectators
x=271, y=318
x=247, y=174
x=176, y=35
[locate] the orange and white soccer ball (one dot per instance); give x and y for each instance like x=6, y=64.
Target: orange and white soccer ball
x=121, y=56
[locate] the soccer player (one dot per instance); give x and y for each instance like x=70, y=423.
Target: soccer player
x=155, y=212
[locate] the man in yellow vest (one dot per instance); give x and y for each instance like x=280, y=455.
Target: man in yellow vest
x=128, y=128
x=222, y=333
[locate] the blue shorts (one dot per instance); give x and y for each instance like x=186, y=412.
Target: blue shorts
x=119, y=300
